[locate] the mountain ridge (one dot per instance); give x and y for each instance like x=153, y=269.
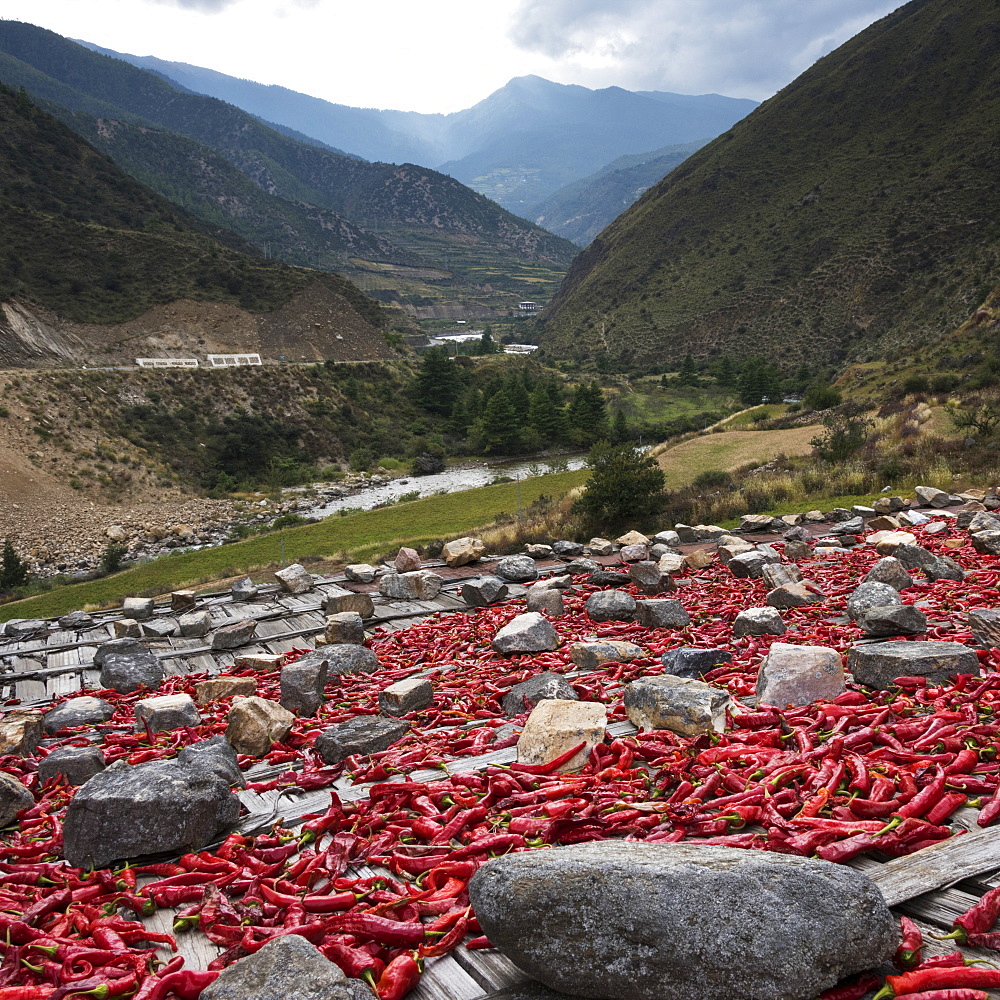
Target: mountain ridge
x=852, y=213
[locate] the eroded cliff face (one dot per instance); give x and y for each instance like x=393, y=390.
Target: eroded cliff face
x=315, y=325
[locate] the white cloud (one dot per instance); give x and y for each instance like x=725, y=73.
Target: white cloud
x=747, y=48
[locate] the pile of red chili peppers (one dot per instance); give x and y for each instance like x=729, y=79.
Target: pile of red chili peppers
x=380, y=884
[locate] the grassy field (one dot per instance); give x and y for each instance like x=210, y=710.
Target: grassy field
x=729, y=450
x=357, y=537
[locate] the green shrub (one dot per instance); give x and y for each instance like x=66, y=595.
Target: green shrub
x=822, y=397
x=916, y=383
x=712, y=478
x=113, y=557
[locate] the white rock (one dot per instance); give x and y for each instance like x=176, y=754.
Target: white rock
x=556, y=726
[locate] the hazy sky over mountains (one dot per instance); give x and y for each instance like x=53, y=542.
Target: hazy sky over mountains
x=445, y=55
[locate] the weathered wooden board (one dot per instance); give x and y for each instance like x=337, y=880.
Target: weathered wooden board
x=934, y=867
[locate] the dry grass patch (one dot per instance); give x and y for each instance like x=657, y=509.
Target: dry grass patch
x=730, y=450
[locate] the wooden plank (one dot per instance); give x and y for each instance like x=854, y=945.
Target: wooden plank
x=445, y=979
x=942, y=864
x=489, y=968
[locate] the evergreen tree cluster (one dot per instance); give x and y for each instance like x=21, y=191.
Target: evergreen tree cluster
x=515, y=412
x=13, y=569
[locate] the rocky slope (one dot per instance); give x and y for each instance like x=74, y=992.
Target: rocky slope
x=852, y=216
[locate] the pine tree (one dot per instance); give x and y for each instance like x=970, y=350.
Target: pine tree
x=499, y=430
x=13, y=569
x=688, y=373
x=725, y=373
x=620, y=430
x=545, y=417
x=438, y=383
x=625, y=486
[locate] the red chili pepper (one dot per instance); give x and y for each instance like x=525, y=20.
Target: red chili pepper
x=978, y=918
x=919, y=980
x=552, y=765
x=854, y=990
x=910, y=945
x=400, y=976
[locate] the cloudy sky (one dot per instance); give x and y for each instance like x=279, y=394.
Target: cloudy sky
x=444, y=55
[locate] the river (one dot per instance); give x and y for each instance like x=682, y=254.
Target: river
x=464, y=477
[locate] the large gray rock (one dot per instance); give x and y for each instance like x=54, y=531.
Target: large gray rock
x=914, y=556
x=75, y=764
x=747, y=565
x=13, y=798
x=634, y=921
x=164, y=712
x=567, y=548
x=759, y=621
x=879, y=664
x=408, y=695
x=198, y=623
x=128, y=671
x=302, y=683
x=931, y=496
x=360, y=572
x=633, y=553
x=482, y=592
x=348, y=659
x=362, y=734
x=854, y=526
x=159, y=806
x=611, y=606
x=82, y=711
x=546, y=600
x=344, y=627
x=661, y=612
x=981, y=521
x=244, y=590
x=235, y=634
x=871, y=595
x=679, y=704
x=609, y=578
x=294, y=579
x=338, y=599
x=528, y=633
x=215, y=756
x=985, y=625
x=591, y=655
x=649, y=577
x=792, y=595
x=421, y=585
x=525, y=696
x=778, y=574
x=987, y=543
x=687, y=661
x=891, y=571
x=896, y=619
x=76, y=621
x=517, y=569
x=286, y=968
x=581, y=566
x=945, y=568
x=138, y=608
x=799, y=675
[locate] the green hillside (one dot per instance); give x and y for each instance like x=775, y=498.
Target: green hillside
x=92, y=244
x=854, y=215
x=422, y=217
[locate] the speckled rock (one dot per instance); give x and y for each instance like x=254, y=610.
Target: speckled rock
x=139, y=608
x=286, y=968
x=302, y=683
x=294, y=579
x=679, y=704
x=75, y=764
x=880, y=663
x=244, y=590
x=126, y=665
x=546, y=600
x=345, y=627
x=159, y=806
x=347, y=658
x=407, y=560
x=871, y=595
x=482, y=592
x=687, y=661
x=634, y=921
x=360, y=572
x=164, y=712
x=799, y=675
x=337, y=599
x=889, y=570
x=661, y=612
x=255, y=723
x=408, y=695
x=528, y=633
x=650, y=577
x=896, y=619
x=591, y=655
x=13, y=798
x=421, y=585
x=525, y=696
x=759, y=621
x=362, y=734
x=611, y=606
x=517, y=569
x=555, y=726
x=82, y=711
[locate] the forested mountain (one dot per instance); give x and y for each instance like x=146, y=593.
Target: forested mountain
x=855, y=212
x=517, y=146
x=582, y=209
x=421, y=217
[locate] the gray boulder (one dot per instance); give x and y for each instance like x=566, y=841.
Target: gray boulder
x=482, y=592
x=759, y=621
x=896, y=619
x=198, y=623
x=609, y=578
x=302, y=683
x=668, y=537
x=517, y=569
x=294, y=579
x=944, y=568
x=985, y=625
x=747, y=565
x=24, y=628
x=128, y=671
x=528, y=633
x=76, y=620
x=799, y=675
x=891, y=571
x=337, y=599
x=567, y=549
x=160, y=806
x=878, y=664
x=137, y=608
x=680, y=705
x=525, y=696
x=545, y=599
x=13, y=798
x=420, y=585
x=650, y=578
x=582, y=566
x=244, y=590
x=344, y=627
x=931, y=496
x=687, y=661
x=591, y=655
x=286, y=968
x=871, y=595
x=235, y=634
x=792, y=595
x=853, y=526
x=116, y=647
x=611, y=606
x=82, y=711
x=162, y=713
x=661, y=612
x=981, y=521
x=216, y=756
x=362, y=734
x=778, y=574
x=634, y=921
x=346, y=659
x=75, y=764
x=914, y=556
x=796, y=549
x=987, y=543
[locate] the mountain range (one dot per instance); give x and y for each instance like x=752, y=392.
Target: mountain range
x=517, y=146
x=407, y=234
x=854, y=215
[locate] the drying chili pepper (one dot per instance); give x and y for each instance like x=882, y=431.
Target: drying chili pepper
x=853, y=990
x=921, y=980
x=910, y=945
x=399, y=977
x=978, y=918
